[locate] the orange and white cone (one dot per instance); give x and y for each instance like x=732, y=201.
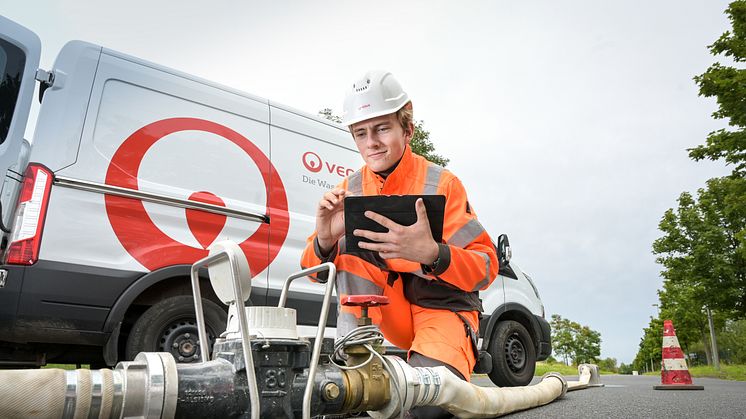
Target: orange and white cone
x=674, y=372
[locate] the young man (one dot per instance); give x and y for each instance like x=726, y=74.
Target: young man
x=432, y=287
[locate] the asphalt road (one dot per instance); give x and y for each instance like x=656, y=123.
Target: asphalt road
x=626, y=396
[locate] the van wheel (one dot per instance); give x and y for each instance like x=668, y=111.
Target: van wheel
x=170, y=326
x=513, y=355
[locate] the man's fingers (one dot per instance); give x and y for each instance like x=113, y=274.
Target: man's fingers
x=380, y=219
x=371, y=235
x=340, y=192
x=419, y=207
x=333, y=198
x=376, y=247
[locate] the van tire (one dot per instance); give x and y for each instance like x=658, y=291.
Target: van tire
x=170, y=326
x=513, y=355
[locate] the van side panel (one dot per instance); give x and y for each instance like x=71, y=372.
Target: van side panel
x=150, y=130
x=64, y=107
x=521, y=292
x=312, y=157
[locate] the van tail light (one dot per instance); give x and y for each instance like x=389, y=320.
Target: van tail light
x=32, y=209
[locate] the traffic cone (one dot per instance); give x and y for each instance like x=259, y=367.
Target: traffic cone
x=674, y=372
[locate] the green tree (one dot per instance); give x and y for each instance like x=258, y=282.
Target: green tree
x=420, y=144
x=573, y=342
x=608, y=364
x=648, y=356
x=562, y=339
x=728, y=85
x=703, y=247
x=680, y=303
x=625, y=369
x=733, y=341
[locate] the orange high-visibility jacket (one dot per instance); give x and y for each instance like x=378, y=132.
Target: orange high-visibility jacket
x=467, y=259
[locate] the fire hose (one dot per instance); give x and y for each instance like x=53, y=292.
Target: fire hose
x=261, y=368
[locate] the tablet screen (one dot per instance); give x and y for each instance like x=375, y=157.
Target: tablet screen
x=398, y=208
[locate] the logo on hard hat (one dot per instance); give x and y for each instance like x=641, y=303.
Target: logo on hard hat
x=312, y=161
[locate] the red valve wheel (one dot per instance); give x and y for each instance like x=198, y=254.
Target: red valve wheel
x=365, y=300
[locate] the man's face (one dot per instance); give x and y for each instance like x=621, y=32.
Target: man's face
x=381, y=141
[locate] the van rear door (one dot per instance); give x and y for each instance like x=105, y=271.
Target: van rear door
x=20, y=50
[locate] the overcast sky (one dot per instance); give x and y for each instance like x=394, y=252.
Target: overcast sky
x=567, y=122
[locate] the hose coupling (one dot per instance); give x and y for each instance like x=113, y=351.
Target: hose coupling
x=559, y=377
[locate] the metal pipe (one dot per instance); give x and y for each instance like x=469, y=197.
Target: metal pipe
x=713, y=340
x=242, y=321
x=301, y=274
x=197, y=295
x=245, y=341
x=316, y=354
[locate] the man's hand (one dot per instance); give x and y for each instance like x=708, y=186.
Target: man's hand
x=330, y=218
x=414, y=243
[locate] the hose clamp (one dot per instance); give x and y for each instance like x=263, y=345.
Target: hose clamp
x=71, y=393
x=559, y=377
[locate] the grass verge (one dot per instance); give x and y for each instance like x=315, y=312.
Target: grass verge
x=66, y=366
x=727, y=372
x=543, y=368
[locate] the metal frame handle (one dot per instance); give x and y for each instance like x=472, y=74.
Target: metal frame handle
x=316, y=354
x=242, y=321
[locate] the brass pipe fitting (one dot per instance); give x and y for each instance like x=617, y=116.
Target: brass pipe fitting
x=369, y=386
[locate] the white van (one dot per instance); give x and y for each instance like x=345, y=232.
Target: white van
x=135, y=170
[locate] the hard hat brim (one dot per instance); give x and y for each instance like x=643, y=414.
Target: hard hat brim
x=353, y=121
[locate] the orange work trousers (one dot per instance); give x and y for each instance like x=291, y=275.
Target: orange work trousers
x=436, y=333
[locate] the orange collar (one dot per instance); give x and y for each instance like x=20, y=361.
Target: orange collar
x=397, y=181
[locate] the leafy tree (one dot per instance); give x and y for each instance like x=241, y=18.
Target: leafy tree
x=562, y=341
x=608, y=364
x=728, y=85
x=625, y=369
x=422, y=145
x=650, y=348
x=588, y=345
x=703, y=247
x=680, y=302
x=733, y=341
x=420, y=142
x=574, y=342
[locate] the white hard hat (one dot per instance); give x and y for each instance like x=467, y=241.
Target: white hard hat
x=376, y=93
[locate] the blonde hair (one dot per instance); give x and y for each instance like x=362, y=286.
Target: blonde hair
x=405, y=116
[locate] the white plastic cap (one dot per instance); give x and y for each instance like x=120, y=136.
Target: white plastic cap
x=221, y=277
x=375, y=94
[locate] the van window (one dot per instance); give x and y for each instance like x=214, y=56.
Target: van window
x=12, y=61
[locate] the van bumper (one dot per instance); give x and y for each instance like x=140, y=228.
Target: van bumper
x=545, y=339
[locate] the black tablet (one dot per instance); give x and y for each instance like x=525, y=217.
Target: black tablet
x=398, y=208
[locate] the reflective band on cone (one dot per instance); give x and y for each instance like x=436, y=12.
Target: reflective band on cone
x=674, y=372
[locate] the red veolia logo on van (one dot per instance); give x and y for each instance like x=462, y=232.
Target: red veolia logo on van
x=314, y=164
x=312, y=161
x=152, y=247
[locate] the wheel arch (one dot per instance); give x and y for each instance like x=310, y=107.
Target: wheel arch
x=143, y=293
x=515, y=312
